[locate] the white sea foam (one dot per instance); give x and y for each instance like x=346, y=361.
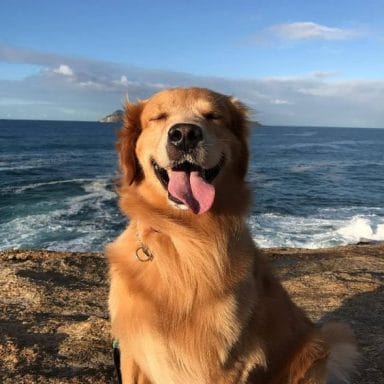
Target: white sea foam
x=329, y=228
x=86, y=221
x=77, y=223
x=17, y=167
x=19, y=163
x=98, y=187
x=47, y=183
x=301, y=168
x=65, y=228
x=362, y=229
x=334, y=145
x=302, y=134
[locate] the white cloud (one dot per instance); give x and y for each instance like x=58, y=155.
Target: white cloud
x=310, y=30
x=97, y=88
x=301, y=31
x=280, y=102
x=324, y=74
x=64, y=70
x=9, y=101
x=91, y=85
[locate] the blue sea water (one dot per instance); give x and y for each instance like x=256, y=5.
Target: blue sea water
x=312, y=187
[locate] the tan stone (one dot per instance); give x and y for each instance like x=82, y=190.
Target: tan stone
x=54, y=320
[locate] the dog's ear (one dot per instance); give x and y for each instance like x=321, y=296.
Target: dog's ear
x=126, y=143
x=240, y=127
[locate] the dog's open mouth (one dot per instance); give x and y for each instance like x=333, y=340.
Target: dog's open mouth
x=189, y=184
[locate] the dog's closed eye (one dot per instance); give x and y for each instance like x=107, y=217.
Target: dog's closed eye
x=159, y=116
x=211, y=116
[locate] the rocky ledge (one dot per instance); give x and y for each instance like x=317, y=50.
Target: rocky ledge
x=54, y=321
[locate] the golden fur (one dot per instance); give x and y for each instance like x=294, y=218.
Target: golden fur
x=207, y=308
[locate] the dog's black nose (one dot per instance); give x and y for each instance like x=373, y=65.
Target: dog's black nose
x=185, y=136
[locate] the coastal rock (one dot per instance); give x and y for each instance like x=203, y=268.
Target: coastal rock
x=54, y=320
x=115, y=117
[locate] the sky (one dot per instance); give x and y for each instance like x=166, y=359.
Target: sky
x=296, y=62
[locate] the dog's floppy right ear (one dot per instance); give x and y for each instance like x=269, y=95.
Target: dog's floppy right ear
x=240, y=126
x=126, y=143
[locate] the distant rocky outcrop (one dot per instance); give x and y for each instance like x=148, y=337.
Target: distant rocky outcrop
x=54, y=319
x=115, y=117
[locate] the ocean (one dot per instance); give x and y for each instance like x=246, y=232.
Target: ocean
x=312, y=187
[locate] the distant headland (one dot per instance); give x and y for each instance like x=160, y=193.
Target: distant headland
x=114, y=117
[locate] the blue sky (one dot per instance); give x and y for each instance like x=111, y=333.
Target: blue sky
x=293, y=62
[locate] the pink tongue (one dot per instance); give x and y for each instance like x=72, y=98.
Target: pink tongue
x=192, y=190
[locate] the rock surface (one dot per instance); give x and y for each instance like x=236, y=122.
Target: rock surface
x=54, y=320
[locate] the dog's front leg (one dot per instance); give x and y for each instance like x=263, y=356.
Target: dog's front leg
x=131, y=372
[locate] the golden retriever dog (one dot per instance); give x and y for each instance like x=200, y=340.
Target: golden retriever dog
x=191, y=299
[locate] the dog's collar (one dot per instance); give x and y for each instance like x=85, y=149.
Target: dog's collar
x=143, y=253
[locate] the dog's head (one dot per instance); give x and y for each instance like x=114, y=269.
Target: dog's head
x=184, y=147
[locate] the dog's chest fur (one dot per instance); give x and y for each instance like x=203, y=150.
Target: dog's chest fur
x=186, y=349
x=183, y=331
